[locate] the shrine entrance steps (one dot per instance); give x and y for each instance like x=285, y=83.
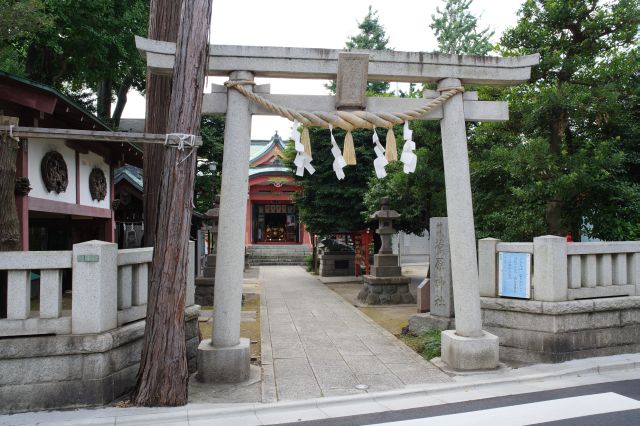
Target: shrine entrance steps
x=316, y=344
x=277, y=254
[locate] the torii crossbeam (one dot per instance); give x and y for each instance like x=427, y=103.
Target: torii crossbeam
x=225, y=357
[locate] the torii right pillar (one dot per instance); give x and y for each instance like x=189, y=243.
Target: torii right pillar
x=468, y=347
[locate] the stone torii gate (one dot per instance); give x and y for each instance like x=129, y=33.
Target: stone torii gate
x=225, y=357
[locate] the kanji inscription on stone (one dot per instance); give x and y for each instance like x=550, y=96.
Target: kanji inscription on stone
x=351, y=84
x=441, y=292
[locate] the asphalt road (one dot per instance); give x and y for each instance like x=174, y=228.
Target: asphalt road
x=510, y=410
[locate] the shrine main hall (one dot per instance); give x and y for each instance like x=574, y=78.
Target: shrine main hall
x=272, y=218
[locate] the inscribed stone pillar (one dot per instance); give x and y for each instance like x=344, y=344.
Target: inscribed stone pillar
x=225, y=357
x=441, y=292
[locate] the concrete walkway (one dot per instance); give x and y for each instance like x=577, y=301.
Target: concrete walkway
x=315, y=344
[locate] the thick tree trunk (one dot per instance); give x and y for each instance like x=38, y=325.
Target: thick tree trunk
x=553, y=211
x=163, y=25
x=9, y=223
x=104, y=100
x=164, y=376
x=121, y=101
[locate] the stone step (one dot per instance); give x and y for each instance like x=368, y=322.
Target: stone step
x=279, y=249
x=277, y=254
x=276, y=261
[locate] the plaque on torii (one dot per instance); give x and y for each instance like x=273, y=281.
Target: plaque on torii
x=467, y=347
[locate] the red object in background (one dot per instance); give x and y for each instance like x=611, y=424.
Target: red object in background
x=569, y=239
x=362, y=240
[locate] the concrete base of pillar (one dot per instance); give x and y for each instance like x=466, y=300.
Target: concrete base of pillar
x=224, y=365
x=470, y=353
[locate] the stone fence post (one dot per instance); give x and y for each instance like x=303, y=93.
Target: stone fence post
x=95, y=287
x=550, y=269
x=487, y=260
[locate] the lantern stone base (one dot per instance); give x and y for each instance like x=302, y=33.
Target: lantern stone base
x=386, y=291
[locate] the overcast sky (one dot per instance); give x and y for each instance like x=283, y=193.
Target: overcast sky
x=327, y=24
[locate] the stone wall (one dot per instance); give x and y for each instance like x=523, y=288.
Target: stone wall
x=537, y=331
x=68, y=371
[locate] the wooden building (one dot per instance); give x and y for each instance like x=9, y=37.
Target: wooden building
x=71, y=182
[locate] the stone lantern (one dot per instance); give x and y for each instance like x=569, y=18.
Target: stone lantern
x=206, y=283
x=385, y=285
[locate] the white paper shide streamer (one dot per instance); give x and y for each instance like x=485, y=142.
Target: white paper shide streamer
x=338, y=163
x=303, y=160
x=408, y=157
x=380, y=162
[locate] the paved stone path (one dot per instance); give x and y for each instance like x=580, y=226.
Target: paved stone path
x=314, y=343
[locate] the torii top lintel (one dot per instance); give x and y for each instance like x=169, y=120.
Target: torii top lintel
x=306, y=63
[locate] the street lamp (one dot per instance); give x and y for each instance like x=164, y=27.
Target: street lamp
x=213, y=166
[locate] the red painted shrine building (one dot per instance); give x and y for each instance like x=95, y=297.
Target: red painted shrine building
x=272, y=218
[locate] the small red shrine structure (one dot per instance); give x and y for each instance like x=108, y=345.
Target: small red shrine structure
x=272, y=218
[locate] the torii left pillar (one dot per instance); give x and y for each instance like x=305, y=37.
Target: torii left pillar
x=226, y=356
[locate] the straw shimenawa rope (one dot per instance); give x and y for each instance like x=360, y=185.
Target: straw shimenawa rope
x=347, y=120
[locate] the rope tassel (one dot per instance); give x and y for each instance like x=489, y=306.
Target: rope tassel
x=306, y=142
x=391, y=148
x=349, y=151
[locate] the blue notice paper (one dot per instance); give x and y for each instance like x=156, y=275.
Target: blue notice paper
x=514, y=275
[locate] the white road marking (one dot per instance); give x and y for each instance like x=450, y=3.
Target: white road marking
x=535, y=412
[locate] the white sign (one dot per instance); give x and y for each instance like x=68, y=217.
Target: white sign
x=514, y=275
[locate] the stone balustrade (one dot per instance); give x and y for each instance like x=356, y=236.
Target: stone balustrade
x=564, y=270
x=109, y=289
x=50, y=319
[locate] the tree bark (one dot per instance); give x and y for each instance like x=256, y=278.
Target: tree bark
x=553, y=211
x=104, y=100
x=163, y=376
x=121, y=101
x=9, y=223
x=163, y=25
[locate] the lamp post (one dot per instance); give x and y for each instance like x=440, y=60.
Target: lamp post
x=213, y=166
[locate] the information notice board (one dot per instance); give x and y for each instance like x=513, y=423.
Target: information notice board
x=514, y=275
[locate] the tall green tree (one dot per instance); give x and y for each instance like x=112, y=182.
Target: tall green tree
x=84, y=48
x=420, y=195
x=372, y=36
x=416, y=196
x=562, y=161
x=456, y=30
x=326, y=204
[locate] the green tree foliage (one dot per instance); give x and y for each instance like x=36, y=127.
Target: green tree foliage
x=416, y=196
x=326, y=204
x=569, y=154
x=372, y=36
x=456, y=30
x=84, y=48
x=17, y=20
x=212, y=132
x=420, y=195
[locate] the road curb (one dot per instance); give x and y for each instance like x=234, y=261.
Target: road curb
x=592, y=366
